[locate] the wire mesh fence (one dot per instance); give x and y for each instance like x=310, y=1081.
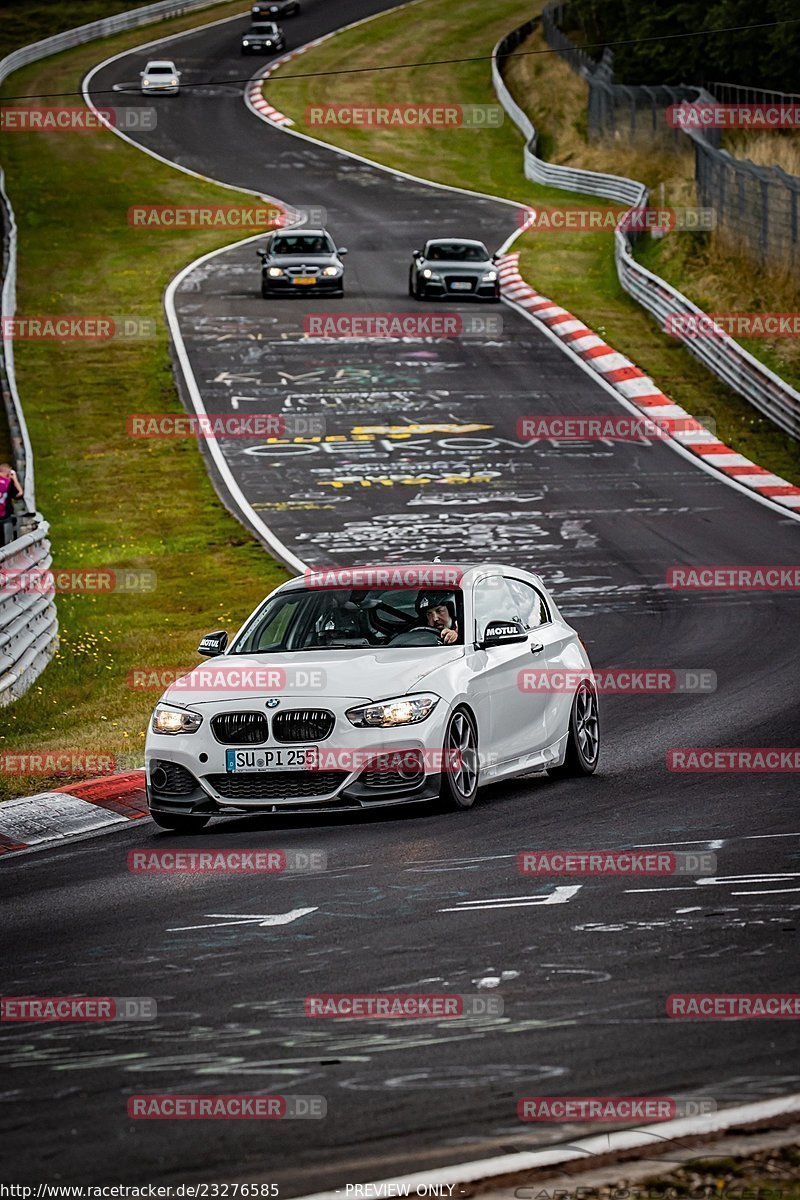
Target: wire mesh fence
x=756, y=205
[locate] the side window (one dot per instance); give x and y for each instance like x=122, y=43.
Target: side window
x=494, y=602
x=531, y=606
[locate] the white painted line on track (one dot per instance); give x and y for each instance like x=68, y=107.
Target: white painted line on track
x=583, y=1148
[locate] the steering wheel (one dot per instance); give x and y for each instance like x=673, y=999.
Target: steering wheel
x=418, y=635
x=390, y=626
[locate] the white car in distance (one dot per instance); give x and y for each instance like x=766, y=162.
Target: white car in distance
x=160, y=75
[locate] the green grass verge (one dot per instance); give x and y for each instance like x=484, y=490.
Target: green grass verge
x=113, y=501
x=575, y=269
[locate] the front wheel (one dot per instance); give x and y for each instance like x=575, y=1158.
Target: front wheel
x=583, y=741
x=459, y=787
x=179, y=823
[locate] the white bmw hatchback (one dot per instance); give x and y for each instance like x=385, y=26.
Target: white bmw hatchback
x=352, y=689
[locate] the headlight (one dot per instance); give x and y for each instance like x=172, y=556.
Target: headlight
x=268, y=42
x=427, y=273
x=245, y=42
x=489, y=277
x=174, y=82
x=404, y=710
x=330, y=270
x=275, y=271
x=145, y=83
x=168, y=719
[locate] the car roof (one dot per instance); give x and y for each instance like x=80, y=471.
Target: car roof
x=159, y=62
x=437, y=576
x=463, y=241
x=303, y=229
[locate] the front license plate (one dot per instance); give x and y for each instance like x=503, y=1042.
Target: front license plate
x=461, y=285
x=304, y=279
x=295, y=758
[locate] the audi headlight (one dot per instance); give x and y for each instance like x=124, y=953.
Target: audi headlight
x=404, y=710
x=169, y=719
x=489, y=277
x=275, y=271
x=330, y=270
x=427, y=273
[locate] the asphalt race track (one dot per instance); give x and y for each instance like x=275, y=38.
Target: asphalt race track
x=427, y=902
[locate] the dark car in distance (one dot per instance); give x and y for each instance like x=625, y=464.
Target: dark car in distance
x=263, y=38
x=453, y=267
x=268, y=10
x=301, y=260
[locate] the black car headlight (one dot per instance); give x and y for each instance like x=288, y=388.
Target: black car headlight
x=385, y=714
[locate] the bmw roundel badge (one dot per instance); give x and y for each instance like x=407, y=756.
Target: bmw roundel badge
x=273, y=702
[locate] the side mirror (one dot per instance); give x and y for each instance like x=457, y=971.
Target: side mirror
x=502, y=633
x=213, y=644
x=416, y=253
x=342, y=250
x=495, y=257
x=262, y=254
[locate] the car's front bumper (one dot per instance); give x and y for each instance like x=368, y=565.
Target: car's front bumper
x=327, y=285
x=209, y=788
x=480, y=291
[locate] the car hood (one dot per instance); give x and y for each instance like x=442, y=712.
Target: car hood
x=302, y=260
x=343, y=674
x=469, y=268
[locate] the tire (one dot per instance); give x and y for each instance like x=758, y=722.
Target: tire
x=419, y=292
x=265, y=292
x=178, y=822
x=410, y=285
x=583, y=742
x=459, y=786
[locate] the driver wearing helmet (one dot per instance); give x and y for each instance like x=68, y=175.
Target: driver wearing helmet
x=437, y=610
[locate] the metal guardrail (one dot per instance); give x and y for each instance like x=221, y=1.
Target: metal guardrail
x=729, y=361
x=28, y=620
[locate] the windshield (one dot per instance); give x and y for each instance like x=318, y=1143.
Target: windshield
x=318, y=619
x=160, y=70
x=456, y=252
x=262, y=30
x=302, y=244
